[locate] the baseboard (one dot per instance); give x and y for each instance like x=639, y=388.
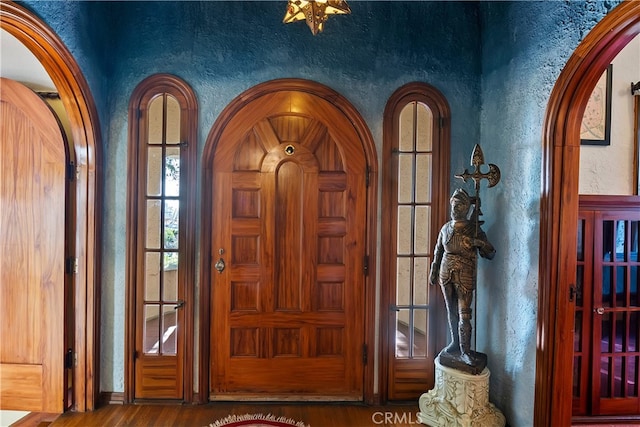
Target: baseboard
x=606, y=419
x=111, y=398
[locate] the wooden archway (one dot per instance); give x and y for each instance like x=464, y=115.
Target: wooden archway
x=559, y=209
x=76, y=97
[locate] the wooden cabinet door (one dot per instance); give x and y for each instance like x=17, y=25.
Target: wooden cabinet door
x=288, y=241
x=32, y=221
x=606, y=371
x=616, y=314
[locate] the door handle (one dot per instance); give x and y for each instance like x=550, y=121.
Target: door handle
x=599, y=310
x=179, y=304
x=219, y=265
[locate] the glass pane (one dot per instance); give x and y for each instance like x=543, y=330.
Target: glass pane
x=154, y=171
x=173, y=120
x=633, y=242
x=171, y=222
x=607, y=298
x=605, y=374
x=421, y=280
x=618, y=376
x=153, y=224
x=151, y=328
x=152, y=276
x=172, y=172
x=620, y=241
x=169, y=326
x=404, y=230
x=577, y=335
x=170, y=277
x=405, y=127
x=621, y=280
x=632, y=383
x=620, y=326
x=633, y=291
x=422, y=230
x=155, y=120
x=419, y=333
x=402, y=333
x=423, y=178
x=581, y=239
x=579, y=282
x=403, y=281
x=424, y=128
x=605, y=343
x=634, y=331
x=577, y=360
x=607, y=241
x=405, y=178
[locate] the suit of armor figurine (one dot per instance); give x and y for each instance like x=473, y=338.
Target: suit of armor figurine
x=454, y=267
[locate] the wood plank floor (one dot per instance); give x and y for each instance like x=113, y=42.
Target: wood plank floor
x=315, y=415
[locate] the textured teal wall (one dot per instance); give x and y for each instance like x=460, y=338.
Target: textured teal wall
x=525, y=46
x=495, y=62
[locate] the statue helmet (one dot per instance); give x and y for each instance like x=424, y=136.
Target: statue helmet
x=461, y=195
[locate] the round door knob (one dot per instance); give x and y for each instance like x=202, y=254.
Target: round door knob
x=599, y=310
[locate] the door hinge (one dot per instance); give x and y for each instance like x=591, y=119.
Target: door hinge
x=441, y=122
x=365, y=354
x=68, y=359
x=367, y=177
x=365, y=265
x=572, y=292
x=71, y=265
x=135, y=354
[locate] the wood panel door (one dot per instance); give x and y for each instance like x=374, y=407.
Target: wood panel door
x=288, y=252
x=607, y=322
x=32, y=253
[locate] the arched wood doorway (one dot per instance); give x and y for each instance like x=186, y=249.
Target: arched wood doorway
x=80, y=107
x=559, y=209
x=281, y=139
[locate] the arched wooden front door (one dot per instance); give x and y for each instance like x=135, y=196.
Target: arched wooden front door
x=288, y=252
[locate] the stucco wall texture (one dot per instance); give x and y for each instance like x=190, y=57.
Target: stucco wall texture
x=495, y=62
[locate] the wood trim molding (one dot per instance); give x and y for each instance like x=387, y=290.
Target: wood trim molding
x=559, y=209
x=140, y=97
x=369, y=148
x=432, y=97
x=86, y=148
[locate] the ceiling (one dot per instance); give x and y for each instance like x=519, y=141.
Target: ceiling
x=18, y=63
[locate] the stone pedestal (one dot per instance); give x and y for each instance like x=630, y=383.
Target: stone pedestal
x=459, y=399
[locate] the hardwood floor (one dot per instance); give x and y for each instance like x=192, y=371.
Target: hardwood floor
x=315, y=415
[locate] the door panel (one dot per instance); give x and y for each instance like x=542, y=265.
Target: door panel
x=32, y=220
x=607, y=318
x=289, y=199
x=615, y=315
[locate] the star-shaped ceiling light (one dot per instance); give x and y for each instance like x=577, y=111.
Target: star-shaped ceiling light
x=315, y=12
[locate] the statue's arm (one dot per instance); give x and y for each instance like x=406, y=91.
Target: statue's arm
x=485, y=247
x=437, y=259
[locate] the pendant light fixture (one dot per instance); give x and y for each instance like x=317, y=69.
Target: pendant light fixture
x=315, y=12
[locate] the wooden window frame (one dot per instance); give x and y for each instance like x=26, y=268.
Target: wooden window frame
x=141, y=97
x=431, y=97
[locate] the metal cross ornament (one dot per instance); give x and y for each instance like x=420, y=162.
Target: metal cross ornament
x=492, y=176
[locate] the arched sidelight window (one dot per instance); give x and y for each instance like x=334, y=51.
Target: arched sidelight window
x=415, y=193
x=160, y=239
